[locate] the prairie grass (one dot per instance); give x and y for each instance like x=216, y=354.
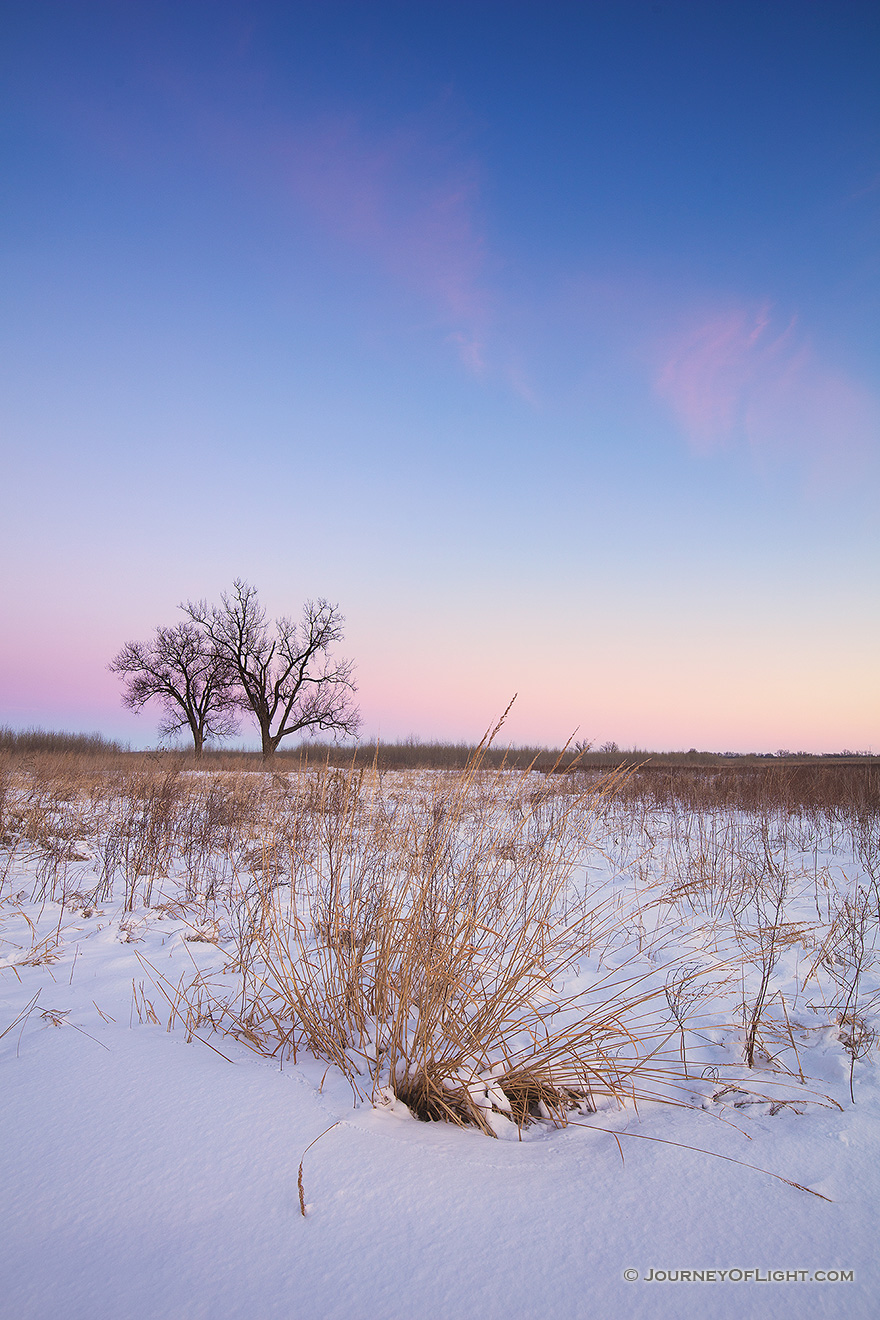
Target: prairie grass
x=426, y=958
x=449, y=937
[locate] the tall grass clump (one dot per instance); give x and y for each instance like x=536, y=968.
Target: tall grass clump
x=426, y=955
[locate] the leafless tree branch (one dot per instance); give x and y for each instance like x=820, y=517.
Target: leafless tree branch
x=181, y=670
x=283, y=673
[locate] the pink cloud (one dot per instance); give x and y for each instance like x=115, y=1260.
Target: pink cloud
x=406, y=197
x=737, y=378
x=709, y=371
x=389, y=198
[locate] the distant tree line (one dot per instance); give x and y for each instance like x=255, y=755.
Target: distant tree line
x=228, y=659
x=47, y=740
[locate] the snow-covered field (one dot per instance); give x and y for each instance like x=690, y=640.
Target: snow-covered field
x=169, y=942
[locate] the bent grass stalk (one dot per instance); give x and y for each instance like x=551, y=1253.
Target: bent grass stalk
x=299, y=1174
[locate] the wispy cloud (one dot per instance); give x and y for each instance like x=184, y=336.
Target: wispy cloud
x=745, y=376
x=414, y=215
x=405, y=196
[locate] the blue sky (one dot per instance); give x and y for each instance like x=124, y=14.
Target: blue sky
x=542, y=338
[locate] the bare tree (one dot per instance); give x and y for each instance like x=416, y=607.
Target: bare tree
x=283, y=673
x=181, y=670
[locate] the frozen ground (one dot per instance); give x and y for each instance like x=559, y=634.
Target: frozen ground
x=144, y=1176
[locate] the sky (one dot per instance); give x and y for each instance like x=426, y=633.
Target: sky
x=540, y=338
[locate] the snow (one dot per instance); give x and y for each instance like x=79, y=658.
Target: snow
x=146, y=1176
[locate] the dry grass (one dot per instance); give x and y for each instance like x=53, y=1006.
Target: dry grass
x=427, y=957
x=435, y=936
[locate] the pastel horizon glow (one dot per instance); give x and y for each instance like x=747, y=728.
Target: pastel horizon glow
x=541, y=339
